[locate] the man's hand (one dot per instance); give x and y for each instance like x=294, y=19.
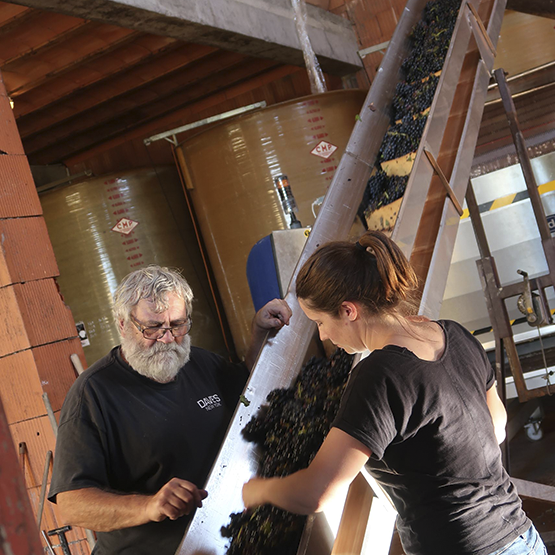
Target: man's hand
x=273, y=315
x=174, y=499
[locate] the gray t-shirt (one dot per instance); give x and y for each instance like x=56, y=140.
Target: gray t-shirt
x=433, y=446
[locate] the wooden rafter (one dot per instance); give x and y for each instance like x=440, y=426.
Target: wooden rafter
x=114, y=99
x=64, y=88
x=53, y=65
x=150, y=110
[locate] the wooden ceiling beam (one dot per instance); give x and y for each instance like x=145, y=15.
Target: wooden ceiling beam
x=541, y=8
x=63, y=89
x=54, y=40
x=535, y=110
x=135, y=100
x=249, y=89
x=150, y=111
x=32, y=30
x=168, y=65
x=13, y=16
x=27, y=81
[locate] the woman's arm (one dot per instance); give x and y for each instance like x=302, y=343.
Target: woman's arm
x=498, y=413
x=336, y=464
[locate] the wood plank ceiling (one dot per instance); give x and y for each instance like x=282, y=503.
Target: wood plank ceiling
x=76, y=83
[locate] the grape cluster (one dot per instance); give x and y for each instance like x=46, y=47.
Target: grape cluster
x=413, y=98
x=288, y=430
x=380, y=191
x=430, y=39
x=402, y=138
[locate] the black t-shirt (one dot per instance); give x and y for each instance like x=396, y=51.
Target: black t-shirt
x=433, y=446
x=122, y=432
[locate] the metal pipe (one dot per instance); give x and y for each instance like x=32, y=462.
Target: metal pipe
x=63, y=181
x=43, y=487
x=77, y=365
x=212, y=119
x=51, y=415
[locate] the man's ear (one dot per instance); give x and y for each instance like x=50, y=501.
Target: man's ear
x=121, y=326
x=349, y=310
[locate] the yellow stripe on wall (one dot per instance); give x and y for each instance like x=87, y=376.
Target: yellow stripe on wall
x=508, y=199
x=546, y=187
x=503, y=201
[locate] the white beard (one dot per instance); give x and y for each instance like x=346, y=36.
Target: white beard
x=161, y=362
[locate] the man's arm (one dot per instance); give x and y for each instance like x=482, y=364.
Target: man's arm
x=273, y=315
x=103, y=511
x=498, y=413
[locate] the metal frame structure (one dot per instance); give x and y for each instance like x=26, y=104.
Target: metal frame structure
x=494, y=291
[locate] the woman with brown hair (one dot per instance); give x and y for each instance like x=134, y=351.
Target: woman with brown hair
x=421, y=411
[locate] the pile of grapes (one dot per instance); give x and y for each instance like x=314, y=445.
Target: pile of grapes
x=288, y=431
x=430, y=39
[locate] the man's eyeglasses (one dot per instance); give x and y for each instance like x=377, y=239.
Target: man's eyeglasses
x=156, y=332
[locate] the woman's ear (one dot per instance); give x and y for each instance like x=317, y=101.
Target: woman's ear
x=349, y=310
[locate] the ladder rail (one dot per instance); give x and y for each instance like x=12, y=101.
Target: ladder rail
x=432, y=295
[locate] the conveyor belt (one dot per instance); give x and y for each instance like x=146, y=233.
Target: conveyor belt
x=450, y=136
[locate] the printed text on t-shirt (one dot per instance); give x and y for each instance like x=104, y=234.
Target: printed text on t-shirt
x=210, y=402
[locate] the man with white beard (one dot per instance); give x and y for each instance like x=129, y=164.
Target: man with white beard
x=140, y=429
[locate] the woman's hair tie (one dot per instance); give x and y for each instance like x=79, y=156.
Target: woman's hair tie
x=359, y=246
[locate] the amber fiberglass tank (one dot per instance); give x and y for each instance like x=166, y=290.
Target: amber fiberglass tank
x=234, y=171
x=103, y=228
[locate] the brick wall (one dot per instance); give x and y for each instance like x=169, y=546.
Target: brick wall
x=37, y=335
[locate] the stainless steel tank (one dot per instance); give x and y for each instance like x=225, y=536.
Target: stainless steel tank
x=232, y=172
x=103, y=228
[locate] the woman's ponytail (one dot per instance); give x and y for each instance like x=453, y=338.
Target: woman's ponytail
x=373, y=271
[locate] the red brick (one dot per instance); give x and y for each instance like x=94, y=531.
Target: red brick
x=5, y=278
x=387, y=21
x=19, y=195
x=12, y=328
x=10, y=141
x=20, y=387
x=370, y=32
x=44, y=313
x=334, y=4
x=55, y=369
x=3, y=91
x=27, y=248
x=38, y=436
x=375, y=6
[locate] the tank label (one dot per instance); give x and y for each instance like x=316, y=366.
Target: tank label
x=323, y=149
x=125, y=226
x=82, y=333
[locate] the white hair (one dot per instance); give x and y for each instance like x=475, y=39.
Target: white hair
x=152, y=283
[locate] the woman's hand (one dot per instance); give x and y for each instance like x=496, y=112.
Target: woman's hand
x=253, y=492
x=306, y=491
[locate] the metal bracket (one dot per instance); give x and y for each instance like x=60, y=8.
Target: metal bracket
x=170, y=135
x=371, y=49
x=444, y=181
